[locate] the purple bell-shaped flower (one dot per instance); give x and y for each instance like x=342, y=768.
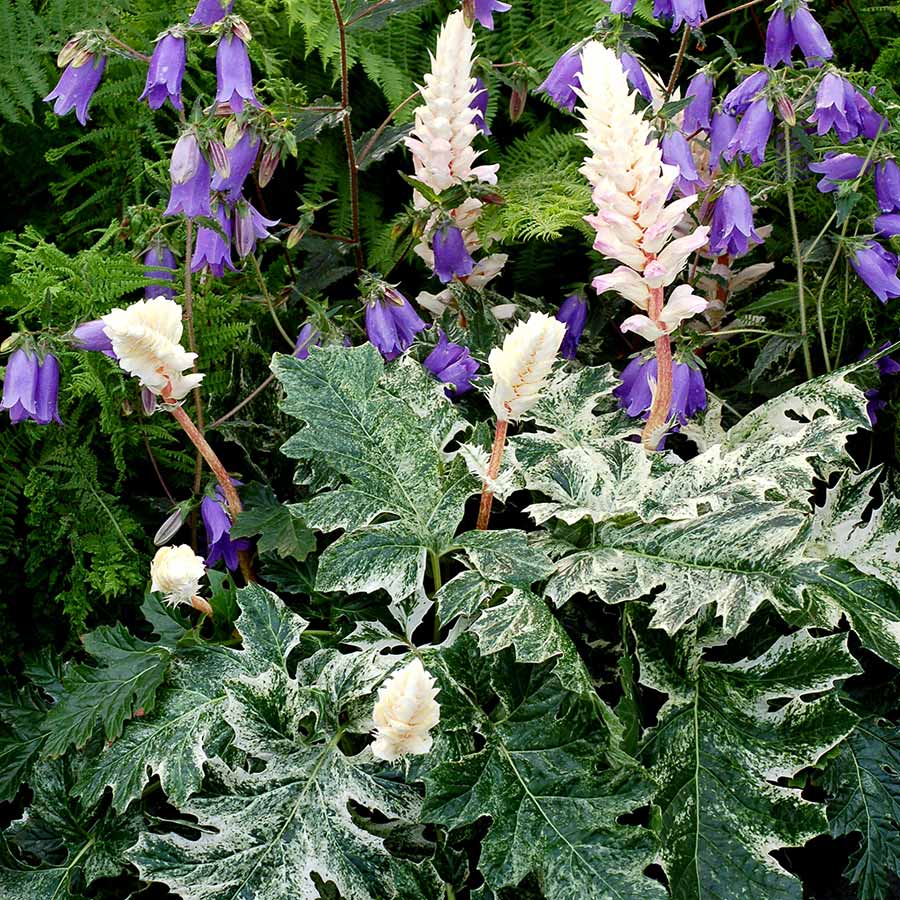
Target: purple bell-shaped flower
x=573, y=314
x=732, y=228
x=391, y=323
x=453, y=365
x=234, y=79
x=451, y=258
x=165, y=72
x=212, y=251
x=209, y=12
x=217, y=524
x=878, y=269
x=560, y=84
x=159, y=265
x=76, y=87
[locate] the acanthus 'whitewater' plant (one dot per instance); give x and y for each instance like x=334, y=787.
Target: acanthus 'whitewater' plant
x=176, y=573
x=405, y=713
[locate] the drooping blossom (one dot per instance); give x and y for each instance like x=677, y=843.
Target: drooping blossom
x=76, y=87
x=234, y=78
x=212, y=251
x=191, y=197
x=837, y=167
x=693, y=12
x=210, y=11
x=159, y=265
x=870, y=122
x=810, y=36
x=573, y=314
x=452, y=364
x=877, y=267
x=165, y=72
x=20, y=385
x=720, y=135
x=391, y=322
x=146, y=340
x=46, y=409
x=563, y=79
x=635, y=393
x=752, y=134
x=888, y=225
x=738, y=100
x=636, y=76
x=697, y=114
x=623, y=7
x=451, y=258
x=839, y=106
x=676, y=151
x=682, y=304
x=479, y=103
x=250, y=226
x=92, y=336
x=520, y=368
x=241, y=159
x=732, y=223
x=307, y=337
x=176, y=572
x=405, y=713
x=217, y=524
x=484, y=11
x=780, y=41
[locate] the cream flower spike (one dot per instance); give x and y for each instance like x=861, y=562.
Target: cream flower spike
x=521, y=367
x=405, y=713
x=146, y=338
x=176, y=573
x=441, y=139
x=683, y=303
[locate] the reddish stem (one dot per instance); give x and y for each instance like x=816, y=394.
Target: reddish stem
x=662, y=398
x=487, y=496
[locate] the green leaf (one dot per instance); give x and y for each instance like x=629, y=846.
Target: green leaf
x=311, y=122
x=271, y=828
x=390, y=139
x=370, y=15
x=864, y=783
x=21, y=737
x=463, y=595
x=725, y=736
x=124, y=684
x=553, y=812
x=280, y=530
x=505, y=556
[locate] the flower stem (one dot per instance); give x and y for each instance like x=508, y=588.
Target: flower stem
x=352, y=168
x=662, y=396
x=676, y=69
x=798, y=256
x=487, y=496
x=435, y=587
x=268, y=298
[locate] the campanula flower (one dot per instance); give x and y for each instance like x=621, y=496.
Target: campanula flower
x=307, y=337
x=676, y=151
x=451, y=258
x=159, y=265
x=732, y=223
x=76, y=87
x=573, y=314
x=191, y=197
x=691, y=11
x=92, y=336
x=752, y=133
x=720, y=135
x=250, y=226
x=241, y=159
x=837, y=167
x=165, y=72
x=210, y=11
x=697, y=115
x=808, y=33
x=738, y=99
x=878, y=269
x=217, y=524
x=234, y=79
x=20, y=385
x=452, y=364
x=623, y=7
x=560, y=84
x=635, y=395
x=484, y=11
x=47, y=394
x=870, y=123
x=391, y=323
x=634, y=72
x=479, y=103
x=888, y=224
x=780, y=41
x=212, y=251
x=833, y=111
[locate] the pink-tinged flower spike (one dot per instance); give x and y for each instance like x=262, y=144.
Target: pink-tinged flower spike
x=76, y=87
x=752, y=134
x=732, y=223
x=92, y=336
x=808, y=33
x=453, y=365
x=835, y=168
x=483, y=11
x=212, y=251
x=697, y=115
x=209, y=12
x=166, y=71
x=241, y=159
x=391, y=322
x=479, y=103
x=780, y=40
x=20, y=386
x=682, y=304
x=159, y=265
x=878, y=269
x=234, y=79
x=573, y=314
x=562, y=81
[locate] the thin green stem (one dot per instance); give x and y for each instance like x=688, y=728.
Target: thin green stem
x=435, y=587
x=798, y=256
x=268, y=297
x=820, y=299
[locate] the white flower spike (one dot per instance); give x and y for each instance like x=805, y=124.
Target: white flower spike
x=176, y=573
x=405, y=713
x=521, y=367
x=146, y=338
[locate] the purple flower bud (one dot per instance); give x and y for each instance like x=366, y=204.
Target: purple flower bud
x=786, y=109
x=888, y=225
x=738, y=99
x=752, y=133
x=191, y=197
x=268, y=164
x=696, y=116
x=241, y=159
x=720, y=135
x=20, y=386
x=732, y=223
x=835, y=108
x=623, y=7
x=635, y=75
x=165, y=72
x=76, y=87
x=485, y=9
x=688, y=389
x=560, y=84
x=878, y=269
x=676, y=151
x=220, y=159
x=250, y=226
x=211, y=251
x=780, y=41
x=451, y=258
x=573, y=313
x=91, y=336
x=159, y=265
x=307, y=337
x=453, y=365
x=234, y=80
x=148, y=401
x=479, y=103
x=809, y=35
x=691, y=11
x=185, y=158
x=46, y=409
x=835, y=168
x=217, y=524
x=392, y=323
x=210, y=11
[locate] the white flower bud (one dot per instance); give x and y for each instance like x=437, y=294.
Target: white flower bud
x=146, y=339
x=405, y=712
x=176, y=572
x=520, y=369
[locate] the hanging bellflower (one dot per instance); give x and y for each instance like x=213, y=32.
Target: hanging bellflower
x=452, y=364
x=692, y=12
x=217, y=524
x=752, y=134
x=190, y=192
x=212, y=250
x=732, y=223
x=47, y=393
x=451, y=258
x=837, y=167
x=573, y=314
x=722, y=131
x=563, y=79
x=250, y=226
x=166, y=71
x=836, y=109
x=810, y=36
x=234, y=78
x=92, y=336
x=483, y=11
x=76, y=86
x=391, y=322
x=697, y=114
x=31, y=388
x=159, y=265
x=738, y=99
x=405, y=713
x=676, y=151
x=241, y=159
x=208, y=12
x=877, y=267
x=635, y=393
x=479, y=103
x=888, y=225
